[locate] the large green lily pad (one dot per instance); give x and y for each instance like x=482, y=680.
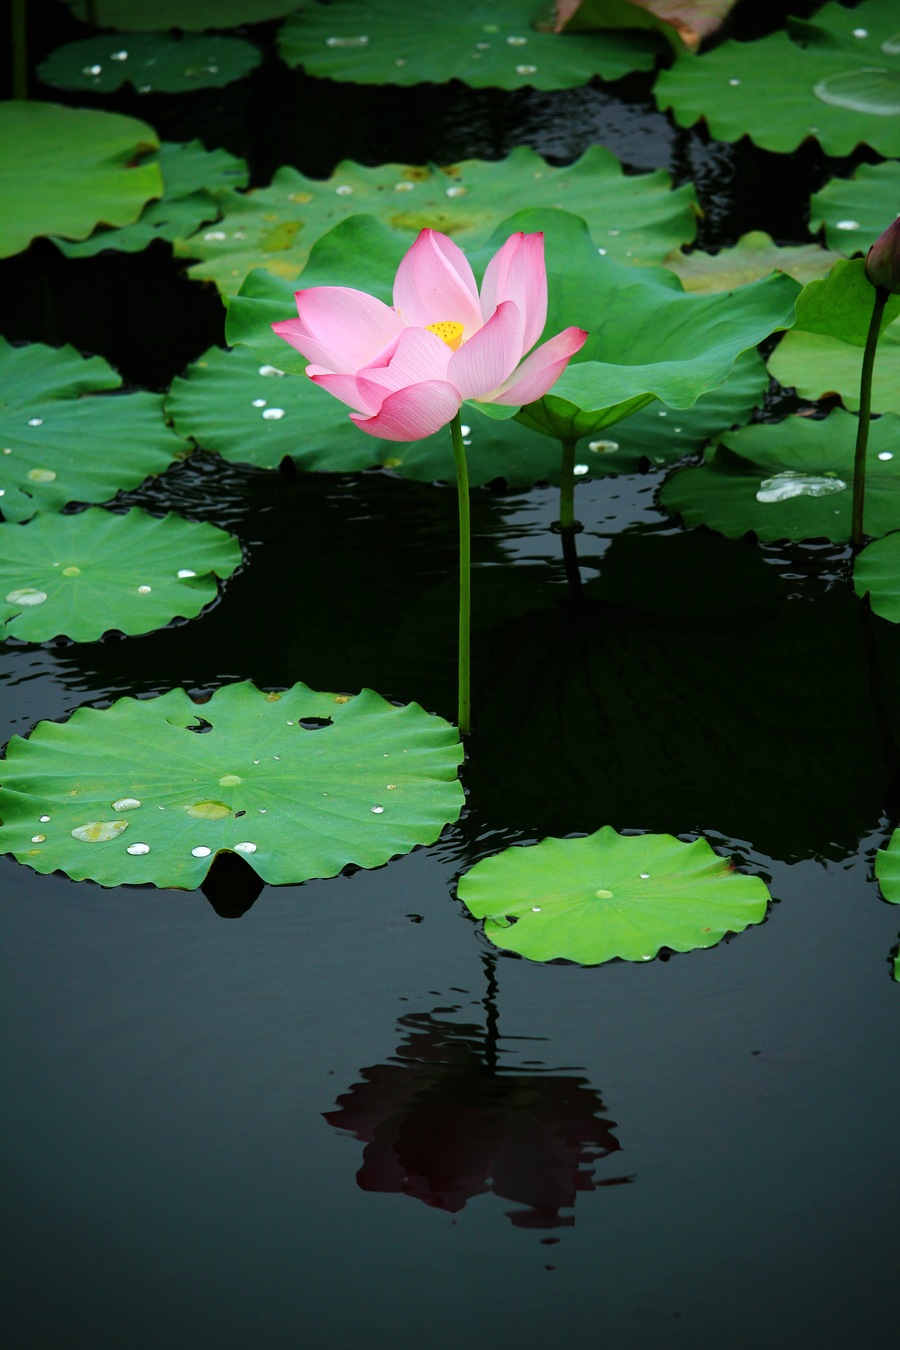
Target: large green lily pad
x=484, y=43
x=876, y=573
x=608, y=895
x=193, y=16
x=152, y=62
x=57, y=445
x=193, y=178
x=301, y=784
x=66, y=170
x=838, y=82
x=792, y=480
x=823, y=353
x=83, y=575
x=639, y=217
x=854, y=211
x=754, y=256
x=251, y=412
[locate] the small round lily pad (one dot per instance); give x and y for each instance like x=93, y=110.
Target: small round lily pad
x=85, y=574
x=877, y=573
x=152, y=62
x=300, y=784
x=610, y=895
x=855, y=210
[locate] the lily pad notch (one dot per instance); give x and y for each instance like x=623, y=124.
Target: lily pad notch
x=608, y=895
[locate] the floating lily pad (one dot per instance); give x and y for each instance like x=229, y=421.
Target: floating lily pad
x=58, y=446
x=649, y=339
x=151, y=62
x=301, y=784
x=639, y=217
x=838, y=82
x=193, y=177
x=887, y=870
x=754, y=256
x=484, y=43
x=65, y=170
x=590, y=900
x=855, y=211
x=792, y=480
x=823, y=353
x=877, y=573
x=193, y=16
x=85, y=574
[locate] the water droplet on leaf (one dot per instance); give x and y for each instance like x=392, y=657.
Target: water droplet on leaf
x=377, y=810
x=99, y=831
x=125, y=804
x=135, y=849
x=27, y=596
x=201, y=851
x=245, y=847
x=273, y=414
x=42, y=475
x=783, y=486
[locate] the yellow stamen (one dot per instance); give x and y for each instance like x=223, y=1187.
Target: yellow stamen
x=448, y=331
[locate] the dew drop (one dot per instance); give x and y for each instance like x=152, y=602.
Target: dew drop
x=603, y=895
x=860, y=32
x=580, y=469
x=663, y=412
x=91, y=70
x=734, y=83
x=201, y=851
x=215, y=236
x=377, y=810
x=517, y=41
x=360, y=41
x=404, y=187
x=535, y=909
x=125, y=804
x=400, y=61
x=891, y=45
x=456, y=191
x=7, y=449
x=644, y=876
x=482, y=46
x=99, y=831
x=886, y=454
x=35, y=421
x=270, y=370
x=144, y=88
x=210, y=810
x=602, y=252
x=185, y=572
x=603, y=447
x=144, y=590
x=38, y=838
x=42, y=475
x=273, y=414
x=847, y=225
x=71, y=571
x=466, y=431
x=229, y=780
x=135, y=849
x=343, y=190
x=613, y=233
x=784, y=486
x=245, y=847
x=526, y=70
x=262, y=810
x=27, y=596
x=260, y=402
x=276, y=757
x=44, y=819
x=118, y=56
x=646, y=957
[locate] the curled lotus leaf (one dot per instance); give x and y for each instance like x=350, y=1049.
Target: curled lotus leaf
x=310, y=783
x=609, y=895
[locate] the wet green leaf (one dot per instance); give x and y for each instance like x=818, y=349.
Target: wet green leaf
x=837, y=81
x=83, y=575
x=792, y=480
x=192, y=16
x=151, y=62
x=876, y=573
x=856, y=210
x=485, y=43
x=637, y=217
x=66, y=170
x=754, y=256
x=301, y=784
x=887, y=869
x=59, y=443
x=608, y=895
x=192, y=179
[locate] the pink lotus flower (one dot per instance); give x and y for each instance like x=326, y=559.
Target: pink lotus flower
x=407, y=370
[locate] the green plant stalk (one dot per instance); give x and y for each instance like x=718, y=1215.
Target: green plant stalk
x=567, y=519
x=464, y=717
x=865, y=407
x=19, y=50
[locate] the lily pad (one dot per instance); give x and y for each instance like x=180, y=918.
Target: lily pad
x=192, y=177
x=608, y=895
x=754, y=256
x=300, y=784
x=66, y=170
x=791, y=480
x=887, y=869
x=838, y=82
x=637, y=217
x=193, y=16
x=85, y=574
x=485, y=43
x=151, y=62
x=877, y=574
x=855, y=211
x=823, y=353
x=59, y=446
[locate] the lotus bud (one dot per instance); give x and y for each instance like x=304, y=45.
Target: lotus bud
x=883, y=259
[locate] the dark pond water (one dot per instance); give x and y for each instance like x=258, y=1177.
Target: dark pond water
x=209, y=1123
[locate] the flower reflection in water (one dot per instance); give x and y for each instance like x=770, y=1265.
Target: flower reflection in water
x=443, y=1123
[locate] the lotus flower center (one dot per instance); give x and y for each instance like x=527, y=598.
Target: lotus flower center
x=448, y=331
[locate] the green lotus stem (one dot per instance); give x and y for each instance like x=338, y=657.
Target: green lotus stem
x=865, y=407
x=19, y=50
x=464, y=718
x=567, y=519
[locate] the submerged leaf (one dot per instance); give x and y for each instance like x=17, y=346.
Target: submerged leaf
x=97, y=571
x=608, y=895
x=370, y=781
